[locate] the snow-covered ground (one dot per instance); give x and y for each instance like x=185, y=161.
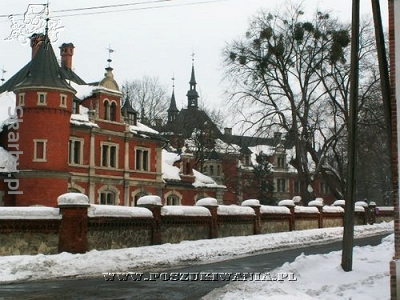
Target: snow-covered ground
x=318, y=276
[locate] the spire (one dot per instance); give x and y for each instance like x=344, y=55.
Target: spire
x=172, y=110
x=192, y=94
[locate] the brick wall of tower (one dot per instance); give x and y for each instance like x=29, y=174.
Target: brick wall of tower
x=42, y=181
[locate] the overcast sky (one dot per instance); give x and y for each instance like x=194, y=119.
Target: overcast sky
x=155, y=38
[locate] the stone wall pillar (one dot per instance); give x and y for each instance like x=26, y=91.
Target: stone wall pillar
x=74, y=223
x=154, y=204
x=212, y=205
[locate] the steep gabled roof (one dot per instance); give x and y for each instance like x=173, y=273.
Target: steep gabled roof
x=43, y=70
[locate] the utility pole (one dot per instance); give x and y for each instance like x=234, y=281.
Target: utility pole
x=348, y=232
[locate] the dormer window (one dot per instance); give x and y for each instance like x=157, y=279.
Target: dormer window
x=42, y=98
x=75, y=107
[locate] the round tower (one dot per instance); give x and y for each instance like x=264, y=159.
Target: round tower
x=44, y=107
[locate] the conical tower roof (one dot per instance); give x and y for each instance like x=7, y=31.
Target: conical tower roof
x=42, y=71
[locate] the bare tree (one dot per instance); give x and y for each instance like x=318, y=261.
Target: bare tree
x=291, y=75
x=148, y=97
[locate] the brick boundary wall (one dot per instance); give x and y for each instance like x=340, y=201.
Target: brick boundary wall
x=76, y=232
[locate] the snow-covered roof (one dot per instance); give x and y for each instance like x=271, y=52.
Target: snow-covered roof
x=7, y=107
x=222, y=147
x=82, y=119
x=8, y=162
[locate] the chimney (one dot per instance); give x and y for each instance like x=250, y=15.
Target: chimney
x=66, y=52
x=36, y=40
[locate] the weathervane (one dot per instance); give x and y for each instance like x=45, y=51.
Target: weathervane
x=109, y=60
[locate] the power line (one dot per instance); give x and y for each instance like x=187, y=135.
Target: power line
x=59, y=13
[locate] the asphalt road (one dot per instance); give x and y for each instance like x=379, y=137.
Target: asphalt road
x=154, y=285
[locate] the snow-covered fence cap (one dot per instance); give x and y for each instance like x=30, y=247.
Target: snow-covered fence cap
x=251, y=202
x=287, y=203
x=73, y=199
x=208, y=201
x=149, y=200
x=317, y=202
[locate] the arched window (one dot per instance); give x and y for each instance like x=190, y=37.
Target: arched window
x=106, y=110
x=113, y=112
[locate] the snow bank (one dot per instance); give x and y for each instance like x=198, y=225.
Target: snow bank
x=31, y=212
x=234, y=210
x=96, y=210
x=180, y=210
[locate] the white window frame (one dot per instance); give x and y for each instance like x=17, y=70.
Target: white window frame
x=35, y=153
x=63, y=100
x=71, y=151
x=40, y=94
x=108, y=159
x=140, y=164
x=21, y=99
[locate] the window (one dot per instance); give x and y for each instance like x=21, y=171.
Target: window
x=75, y=151
x=42, y=98
x=211, y=170
x=132, y=119
x=109, y=155
x=107, y=198
x=297, y=187
x=113, y=111
x=281, y=162
x=21, y=99
x=281, y=185
x=142, y=159
x=173, y=200
x=246, y=160
x=39, y=151
x=106, y=110
x=218, y=170
x=324, y=188
x=75, y=107
x=63, y=100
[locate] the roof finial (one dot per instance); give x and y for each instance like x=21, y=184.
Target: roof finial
x=192, y=58
x=110, y=50
x=173, y=82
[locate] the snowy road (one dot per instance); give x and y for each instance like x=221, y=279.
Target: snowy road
x=99, y=288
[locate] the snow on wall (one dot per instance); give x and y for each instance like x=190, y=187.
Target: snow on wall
x=332, y=209
x=31, y=212
x=73, y=199
x=177, y=210
x=251, y=202
x=286, y=202
x=269, y=209
x=234, y=210
x=149, y=200
x=208, y=201
x=306, y=210
x=96, y=210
